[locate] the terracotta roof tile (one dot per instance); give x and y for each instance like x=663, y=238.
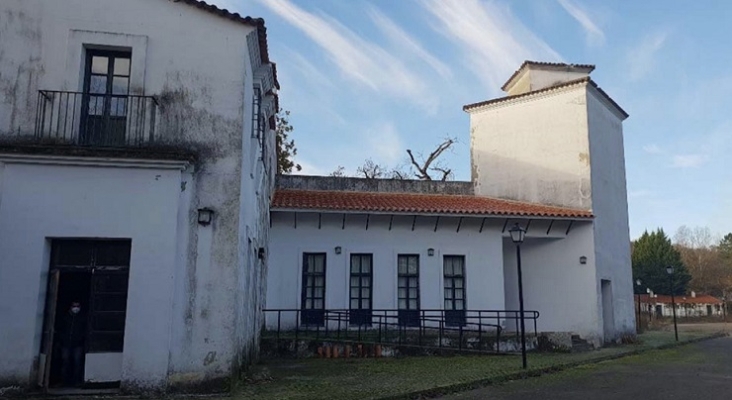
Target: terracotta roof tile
x=413, y=203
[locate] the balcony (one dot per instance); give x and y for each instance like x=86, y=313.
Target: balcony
x=95, y=120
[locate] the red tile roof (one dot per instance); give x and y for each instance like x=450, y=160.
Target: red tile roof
x=413, y=203
x=699, y=299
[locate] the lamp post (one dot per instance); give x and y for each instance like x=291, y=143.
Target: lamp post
x=650, y=309
x=638, y=284
x=670, y=272
x=517, y=236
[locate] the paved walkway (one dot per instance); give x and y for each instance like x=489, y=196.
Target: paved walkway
x=697, y=371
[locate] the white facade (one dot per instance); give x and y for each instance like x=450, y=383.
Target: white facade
x=563, y=145
x=557, y=140
x=195, y=292
x=490, y=264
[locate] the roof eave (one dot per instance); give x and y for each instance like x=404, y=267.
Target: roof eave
x=435, y=214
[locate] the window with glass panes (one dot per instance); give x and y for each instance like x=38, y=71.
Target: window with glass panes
x=454, y=284
x=313, y=289
x=105, y=99
x=361, y=288
x=408, y=288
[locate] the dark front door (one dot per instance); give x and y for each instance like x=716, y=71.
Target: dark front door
x=659, y=311
x=408, y=287
x=105, y=101
x=360, y=289
x=709, y=310
x=313, y=289
x=454, y=282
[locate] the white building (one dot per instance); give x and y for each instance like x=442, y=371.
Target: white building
x=119, y=121
x=548, y=156
x=692, y=305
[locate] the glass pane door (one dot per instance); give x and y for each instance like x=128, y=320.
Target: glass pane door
x=105, y=98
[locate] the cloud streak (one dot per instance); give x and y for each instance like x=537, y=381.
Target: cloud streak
x=653, y=149
x=494, y=42
x=407, y=42
x=595, y=35
x=688, y=160
x=642, y=58
x=358, y=59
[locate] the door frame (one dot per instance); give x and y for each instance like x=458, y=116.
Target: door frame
x=49, y=328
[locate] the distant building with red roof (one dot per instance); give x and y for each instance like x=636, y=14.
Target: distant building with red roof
x=691, y=305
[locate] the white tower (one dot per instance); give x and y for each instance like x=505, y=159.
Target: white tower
x=557, y=138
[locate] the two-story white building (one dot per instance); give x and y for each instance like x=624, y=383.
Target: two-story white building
x=373, y=254
x=136, y=168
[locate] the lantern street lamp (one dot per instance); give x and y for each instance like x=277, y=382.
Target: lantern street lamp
x=517, y=236
x=670, y=272
x=638, y=291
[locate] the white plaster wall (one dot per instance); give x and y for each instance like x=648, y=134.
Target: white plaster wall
x=610, y=207
x=556, y=284
x=535, y=149
x=52, y=201
x=483, y=252
x=537, y=79
x=198, y=66
x=541, y=78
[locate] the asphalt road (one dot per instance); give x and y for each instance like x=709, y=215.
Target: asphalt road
x=697, y=371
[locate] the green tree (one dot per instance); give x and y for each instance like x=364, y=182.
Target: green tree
x=652, y=253
x=286, y=150
x=725, y=247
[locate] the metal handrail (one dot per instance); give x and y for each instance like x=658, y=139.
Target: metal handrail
x=96, y=120
x=338, y=325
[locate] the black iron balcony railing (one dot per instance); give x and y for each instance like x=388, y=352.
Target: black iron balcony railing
x=97, y=120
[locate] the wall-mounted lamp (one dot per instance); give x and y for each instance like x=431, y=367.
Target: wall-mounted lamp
x=583, y=260
x=430, y=252
x=260, y=253
x=205, y=216
x=338, y=250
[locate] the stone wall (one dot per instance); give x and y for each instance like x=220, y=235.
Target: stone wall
x=304, y=182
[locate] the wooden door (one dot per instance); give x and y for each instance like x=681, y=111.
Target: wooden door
x=49, y=321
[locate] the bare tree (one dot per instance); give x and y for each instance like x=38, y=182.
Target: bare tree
x=426, y=166
x=371, y=170
x=339, y=172
x=701, y=254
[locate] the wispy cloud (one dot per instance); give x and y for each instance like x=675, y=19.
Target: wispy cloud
x=358, y=59
x=493, y=40
x=407, y=42
x=688, y=160
x=642, y=58
x=595, y=35
x=653, y=149
x=639, y=193
x=385, y=143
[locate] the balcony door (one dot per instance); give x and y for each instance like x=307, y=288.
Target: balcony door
x=105, y=98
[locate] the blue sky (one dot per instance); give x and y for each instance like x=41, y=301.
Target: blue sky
x=370, y=79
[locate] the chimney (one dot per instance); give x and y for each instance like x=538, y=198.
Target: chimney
x=535, y=75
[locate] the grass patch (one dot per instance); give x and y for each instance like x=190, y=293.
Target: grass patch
x=388, y=377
